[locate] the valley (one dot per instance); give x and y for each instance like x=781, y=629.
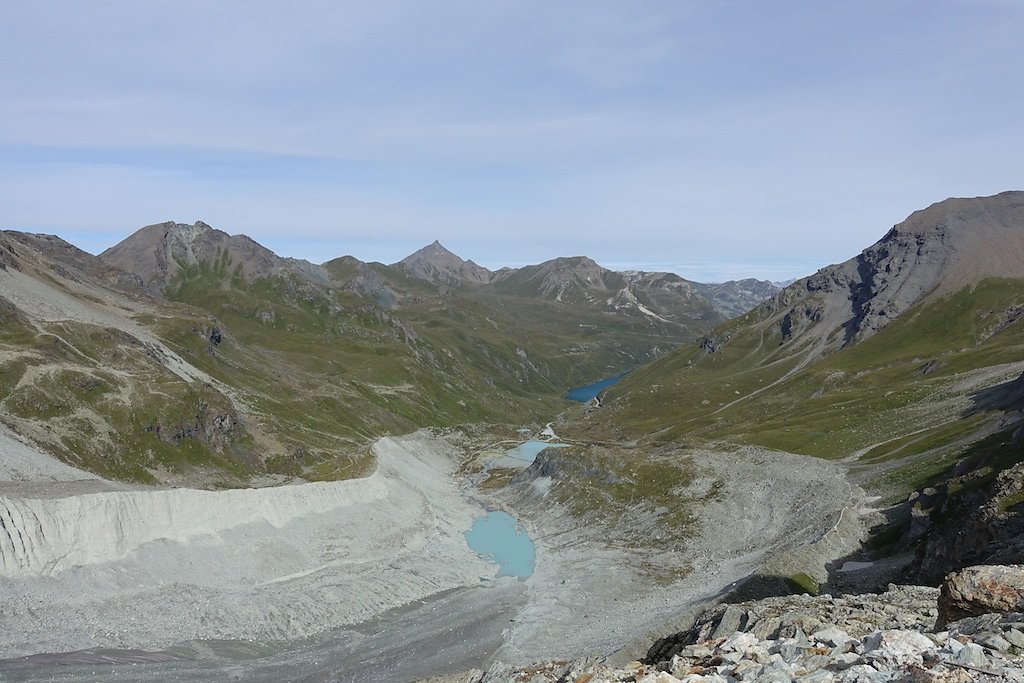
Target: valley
x=216, y=462
x=250, y=582
x=215, y=361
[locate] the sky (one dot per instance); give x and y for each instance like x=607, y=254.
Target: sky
x=714, y=139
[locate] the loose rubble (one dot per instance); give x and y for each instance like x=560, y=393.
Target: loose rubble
x=891, y=637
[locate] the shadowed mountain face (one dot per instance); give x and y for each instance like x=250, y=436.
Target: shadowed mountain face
x=938, y=251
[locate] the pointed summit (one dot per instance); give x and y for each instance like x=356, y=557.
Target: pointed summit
x=437, y=264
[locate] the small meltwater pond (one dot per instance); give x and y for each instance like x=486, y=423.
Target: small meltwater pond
x=499, y=537
x=518, y=458
x=529, y=450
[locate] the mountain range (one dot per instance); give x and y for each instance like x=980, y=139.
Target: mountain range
x=859, y=426
x=184, y=354
x=301, y=363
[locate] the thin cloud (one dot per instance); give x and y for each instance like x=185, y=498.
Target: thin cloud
x=698, y=132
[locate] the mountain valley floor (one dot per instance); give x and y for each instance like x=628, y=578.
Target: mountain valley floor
x=321, y=575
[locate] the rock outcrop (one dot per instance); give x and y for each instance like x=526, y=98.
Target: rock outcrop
x=974, y=515
x=982, y=589
x=901, y=607
x=936, y=251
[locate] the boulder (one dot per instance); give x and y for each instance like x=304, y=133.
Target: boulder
x=982, y=589
x=890, y=649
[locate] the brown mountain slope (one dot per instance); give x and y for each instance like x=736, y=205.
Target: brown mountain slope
x=936, y=251
x=436, y=264
x=158, y=253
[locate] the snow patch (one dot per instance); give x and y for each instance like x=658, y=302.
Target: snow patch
x=626, y=299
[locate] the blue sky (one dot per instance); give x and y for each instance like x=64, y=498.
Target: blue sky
x=716, y=139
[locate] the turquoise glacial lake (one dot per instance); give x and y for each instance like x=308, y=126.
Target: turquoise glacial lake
x=502, y=539
x=529, y=450
x=588, y=391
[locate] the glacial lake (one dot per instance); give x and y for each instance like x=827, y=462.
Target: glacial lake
x=529, y=450
x=588, y=391
x=502, y=539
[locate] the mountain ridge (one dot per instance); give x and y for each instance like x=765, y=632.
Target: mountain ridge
x=904, y=363
x=199, y=302
x=224, y=365
x=921, y=262
x=158, y=254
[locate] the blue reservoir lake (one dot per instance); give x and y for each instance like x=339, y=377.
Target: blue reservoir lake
x=589, y=391
x=503, y=540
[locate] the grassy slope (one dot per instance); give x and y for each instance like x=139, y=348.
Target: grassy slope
x=100, y=402
x=899, y=394
x=329, y=368
x=465, y=346
x=314, y=372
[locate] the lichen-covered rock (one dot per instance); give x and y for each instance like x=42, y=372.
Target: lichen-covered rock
x=981, y=589
x=896, y=648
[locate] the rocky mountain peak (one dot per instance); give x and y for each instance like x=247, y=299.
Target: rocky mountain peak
x=433, y=250
x=565, y=269
x=156, y=253
x=950, y=245
x=437, y=264
x=736, y=297
x=569, y=279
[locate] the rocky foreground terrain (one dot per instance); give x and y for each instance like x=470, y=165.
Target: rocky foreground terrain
x=971, y=629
